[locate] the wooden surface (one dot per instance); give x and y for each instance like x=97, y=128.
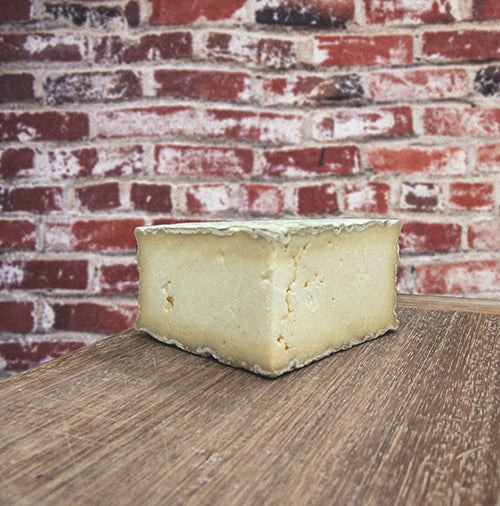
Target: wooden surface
x=410, y=418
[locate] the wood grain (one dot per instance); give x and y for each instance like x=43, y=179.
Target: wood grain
x=410, y=418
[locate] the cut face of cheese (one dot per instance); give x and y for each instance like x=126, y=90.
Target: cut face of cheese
x=268, y=296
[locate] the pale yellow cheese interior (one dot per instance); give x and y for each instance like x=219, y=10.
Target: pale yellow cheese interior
x=268, y=296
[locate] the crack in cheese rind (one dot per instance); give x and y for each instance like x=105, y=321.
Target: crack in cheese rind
x=268, y=296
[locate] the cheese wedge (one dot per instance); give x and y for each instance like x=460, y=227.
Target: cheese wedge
x=269, y=296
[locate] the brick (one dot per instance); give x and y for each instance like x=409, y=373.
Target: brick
x=362, y=50
x=253, y=126
x=208, y=198
x=43, y=274
x=484, y=234
x=260, y=199
x=98, y=197
x=92, y=87
x=488, y=158
x=16, y=316
x=311, y=89
x=470, y=196
x=33, y=199
x=16, y=162
x=408, y=12
x=468, y=122
x=203, y=84
x=148, y=48
x=203, y=161
x=461, y=45
x=42, y=47
x=367, y=197
x=174, y=12
x=418, y=159
x=313, y=199
x=466, y=277
x=146, y=121
x=486, y=9
x=118, y=278
x=83, y=235
x=418, y=84
x=487, y=81
x=404, y=281
x=16, y=87
x=308, y=13
x=304, y=162
x=155, y=198
x=15, y=10
x=422, y=237
x=421, y=197
x=17, y=234
x=43, y=126
x=362, y=122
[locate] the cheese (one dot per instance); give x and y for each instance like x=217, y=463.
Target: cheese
x=269, y=296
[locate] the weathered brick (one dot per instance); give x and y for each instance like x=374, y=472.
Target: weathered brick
x=16, y=162
x=43, y=274
x=175, y=12
x=118, y=278
x=484, y=234
x=43, y=126
x=362, y=122
x=367, y=197
x=151, y=197
x=466, y=277
x=404, y=282
x=409, y=160
x=457, y=121
x=15, y=10
x=98, y=197
x=487, y=81
x=208, y=198
x=488, y=158
x=319, y=198
x=418, y=84
x=422, y=237
x=461, y=45
x=16, y=87
x=421, y=197
x=486, y=9
x=150, y=47
x=260, y=199
x=92, y=87
x=471, y=196
x=408, y=11
x=16, y=316
x=362, y=50
x=304, y=162
x=17, y=234
x=146, y=121
x=34, y=199
x=203, y=161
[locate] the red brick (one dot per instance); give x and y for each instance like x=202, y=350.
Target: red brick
x=16, y=316
x=16, y=162
x=253, y=126
x=44, y=274
x=133, y=14
x=203, y=161
x=486, y=9
x=472, y=196
x=34, y=199
x=15, y=10
x=421, y=197
x=42, y=47
x=488, y=158
x=418, y=84
x=155, y=198
x=260, y=199
x=204, y=84
x=363, y=122
x=98, y=197
x=468, y=277
x=404, y=282
x=175, y=12
x=314, y=199
x=43, y=126
x=421, y=237
x=456, y=121
x=484, y=234
x=461, y=45
x=146, y=122
x=409, y=160
x=367, y=197
x=363, y=50
x=291, y=163
x=16, y=87
x=82, y=235
x=408, y=11
x=150, y=47
x=208, y=198
x=118, y=278
x=17, y=234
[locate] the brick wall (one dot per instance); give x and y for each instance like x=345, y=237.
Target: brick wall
x=121, y=113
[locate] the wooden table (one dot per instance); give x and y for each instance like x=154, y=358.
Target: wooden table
x=410, y=418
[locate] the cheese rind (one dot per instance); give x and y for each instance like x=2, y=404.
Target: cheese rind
x=269, y=295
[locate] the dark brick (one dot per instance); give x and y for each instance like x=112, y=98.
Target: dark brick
x=14, y=87
x=99, y=197
x=317, y=199
x=15, y=10
x=16, y=317
x=297, y=15
x=487, y=81
x=133, y=14
x=17, y=162
x=151, y=197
